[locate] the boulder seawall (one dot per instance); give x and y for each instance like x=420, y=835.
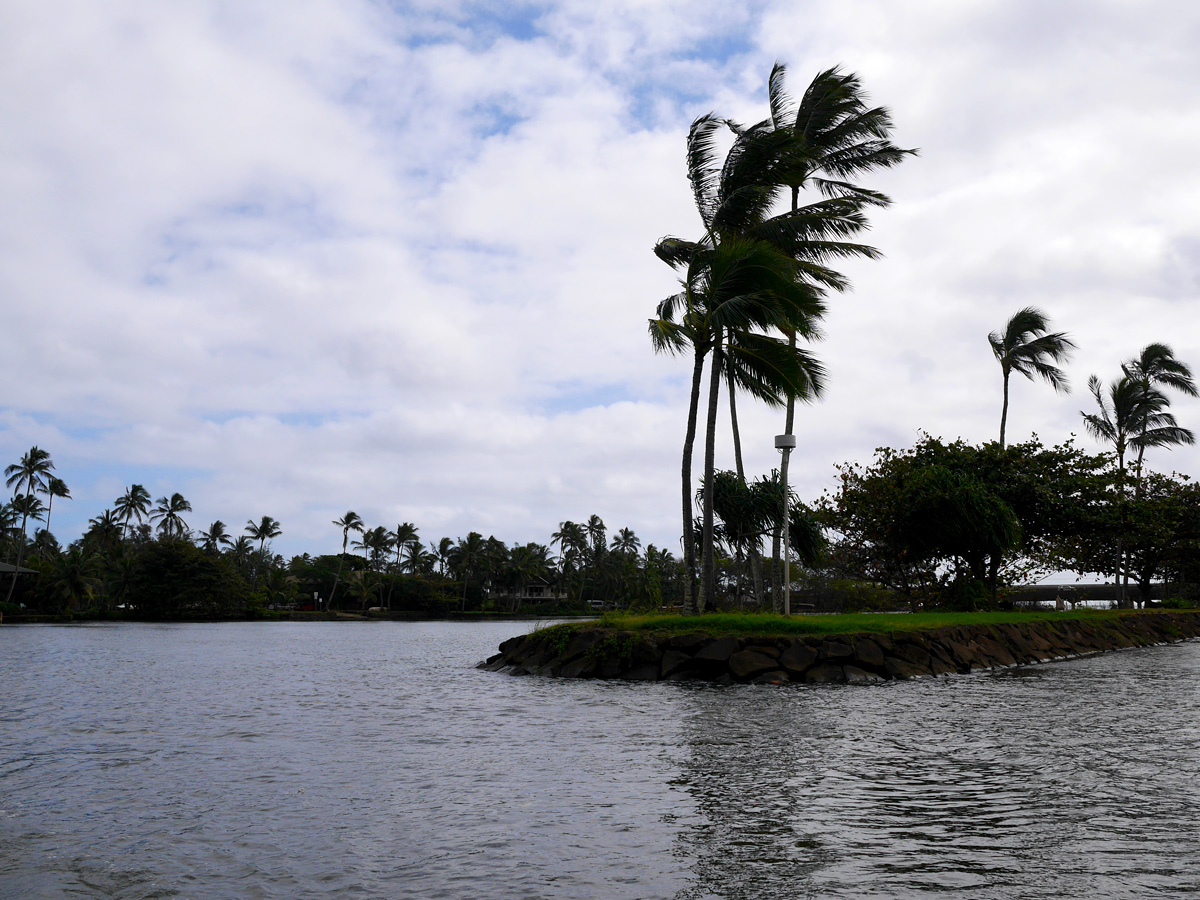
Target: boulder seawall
x=859, y=658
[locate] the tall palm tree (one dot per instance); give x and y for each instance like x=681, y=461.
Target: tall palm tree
x=1028, y=348
x=133, y=504
x=351, y=521
x=1132, y=414
x=442, y=553
x=168, y=513
x=267, y=529
x=467, y=557
x=55, y=487
x=28, y=476
x=403, y=537
x=1156, y=366
x=215, y=538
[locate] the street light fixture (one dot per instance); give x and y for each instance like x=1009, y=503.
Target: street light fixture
x=785, y=444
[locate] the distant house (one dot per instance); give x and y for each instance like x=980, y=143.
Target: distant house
x=537, y=591
x=7, y=569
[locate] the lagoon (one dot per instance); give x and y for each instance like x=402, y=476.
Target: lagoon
x=371, y=760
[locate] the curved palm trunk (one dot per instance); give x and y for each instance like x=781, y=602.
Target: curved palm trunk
x=692, y=600
x=50, y=504
x=1004, y=410
x=12, y=585
x=753, y=548
x=392, y=585
x=708, y=585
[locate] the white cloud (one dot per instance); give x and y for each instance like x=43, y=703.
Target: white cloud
x=298, y=258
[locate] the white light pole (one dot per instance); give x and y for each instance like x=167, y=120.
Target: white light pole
x=785, y=444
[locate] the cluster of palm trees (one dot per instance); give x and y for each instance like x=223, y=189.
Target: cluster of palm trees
x=757, y=280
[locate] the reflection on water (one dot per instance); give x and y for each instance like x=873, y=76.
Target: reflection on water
x=282, y=760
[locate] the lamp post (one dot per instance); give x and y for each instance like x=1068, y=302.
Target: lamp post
x=785, y=444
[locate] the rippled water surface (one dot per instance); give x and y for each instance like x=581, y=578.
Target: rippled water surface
x=346, y=760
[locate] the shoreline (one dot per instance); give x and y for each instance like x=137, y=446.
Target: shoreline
x=567, y=651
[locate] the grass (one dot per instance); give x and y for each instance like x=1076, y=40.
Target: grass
x=720, y=624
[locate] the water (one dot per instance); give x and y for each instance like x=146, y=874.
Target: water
x=370, y=760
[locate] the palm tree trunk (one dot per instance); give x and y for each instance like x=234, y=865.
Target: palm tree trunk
x=777, y=532
x=338, y=576
x=50, y=504
x=691, y=598
x=707, y=562
x=1004, y=411
x=12, y=585
x=753, y=550
x=393, y=583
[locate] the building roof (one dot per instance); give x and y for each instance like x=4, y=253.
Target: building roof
x=7, y=569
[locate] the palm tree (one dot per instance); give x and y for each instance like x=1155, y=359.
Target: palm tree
x=266, y=529
x=55, y=487
x=104, y=531
x=134, y=503
x=168, y=514
x=27, y=476
x=468, y=555
x=404, y=536
x=1156, y=365
x=836, y=136
x=349, y=522
x=1132, y=415
x=442, y=552
x=215, y=538
x=1025, y=347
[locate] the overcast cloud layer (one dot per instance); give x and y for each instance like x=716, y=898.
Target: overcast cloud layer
x=298, y=258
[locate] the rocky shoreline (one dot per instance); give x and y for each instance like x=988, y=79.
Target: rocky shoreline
x=863, y=658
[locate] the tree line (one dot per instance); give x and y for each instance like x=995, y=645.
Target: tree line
x=141, y=556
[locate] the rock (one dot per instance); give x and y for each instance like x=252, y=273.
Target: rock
x=580, y=644
x=718, y=650
x=911, y=652
x=578, y=668
x=643, y=672
x=646, y=652
x=688, y=643
x=855, y=675
x=902, y=668
x=511, y=644
x=834, y=650
x=746, y=663
x=826, y=673
x=773, y=677
x=673, y=661
x=867, y=652
x=798, y=657
x=758, y=647
x=609, y=667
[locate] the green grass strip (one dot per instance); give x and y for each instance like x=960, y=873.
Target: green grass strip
x=721, y=624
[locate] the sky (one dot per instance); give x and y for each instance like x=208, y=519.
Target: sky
x=298, y=258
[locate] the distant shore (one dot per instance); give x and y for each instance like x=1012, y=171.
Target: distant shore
x=292, y=616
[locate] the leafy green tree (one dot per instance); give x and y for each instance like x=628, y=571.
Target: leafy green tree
x=1027, y=347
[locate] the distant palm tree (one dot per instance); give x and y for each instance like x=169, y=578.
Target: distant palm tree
x=1131, y=415
x=351, y=521
x=467, y=557
x=1027, y=348
x=215, y=538
x=55, y=487
x=27, y=476
x=133, y=504
x=403, y=538
x=442, y=552
x=266, y=529
x=1156, y=366
x=168, y=513
x=104, y=531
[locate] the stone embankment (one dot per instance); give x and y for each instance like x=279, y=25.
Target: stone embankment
x=818, y=659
